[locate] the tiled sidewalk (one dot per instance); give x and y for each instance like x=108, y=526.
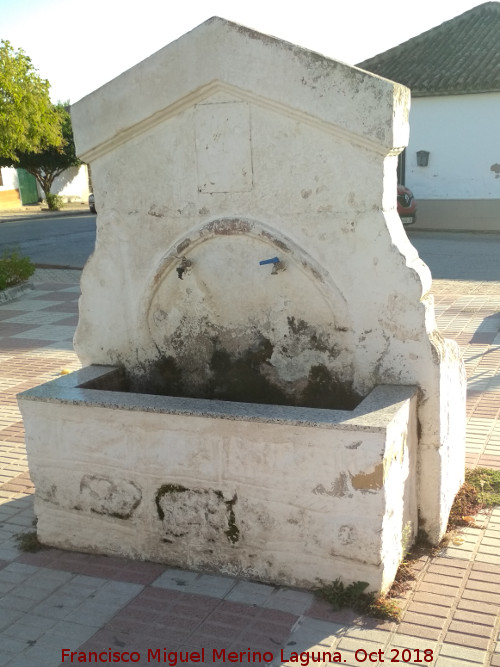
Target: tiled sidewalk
x=52, y=599
x=469, y=312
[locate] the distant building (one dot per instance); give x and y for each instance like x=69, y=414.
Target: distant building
x=453, y=72
x=18, y=188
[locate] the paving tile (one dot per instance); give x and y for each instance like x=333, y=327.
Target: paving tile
x=295, y=602
x=272, y=621
x=197, y=605
x=483, y=569
x=427, y=609
x=447, y=567
x=48, y=333
x=479, y=585
x=412, y=642
x=54, y=295
x=317, y=631
x=442, y=579
x=431, y=598
x=8, y=617
x=471, y=655
x=443, y=661
x=466, y=639
x=471, y=628
x=250, y=593
x=16, y=573
x=428, y=620
x=493, y=559
x=30, y=320
x=354, y=644
x=320, y=609
x=13, y=645
x=176, y=579
x=414, y=630
x=436, y=589
x=475, y=617
x=214, y=586
x=480, y=596
x=368, y=635
x=27, y=305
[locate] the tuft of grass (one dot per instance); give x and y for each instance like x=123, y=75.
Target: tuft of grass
x=481, y=489
x=355, y=597
x=385, y=608
x=487, y=483
x=29, y=542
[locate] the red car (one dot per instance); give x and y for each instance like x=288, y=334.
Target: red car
x=407, y=206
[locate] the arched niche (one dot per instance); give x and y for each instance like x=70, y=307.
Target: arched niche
x=226, y=325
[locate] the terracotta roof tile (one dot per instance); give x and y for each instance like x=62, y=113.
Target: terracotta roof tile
x=457, y=57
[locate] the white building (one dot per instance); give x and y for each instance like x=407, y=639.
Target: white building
x=18, y=188
x=453, y=72
x=9, y=189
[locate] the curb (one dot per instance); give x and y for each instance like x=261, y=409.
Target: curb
x=14, y=292
x=28, y=215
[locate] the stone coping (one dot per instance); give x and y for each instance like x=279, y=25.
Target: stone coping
x=14, y=292
x=374, y=413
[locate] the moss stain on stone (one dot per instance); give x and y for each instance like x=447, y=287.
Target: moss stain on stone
x=324, y=391
x=249, y=376
x=232, y=532
x=241, y=379
x=162, y=491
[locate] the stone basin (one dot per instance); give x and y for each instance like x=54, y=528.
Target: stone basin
x=282, y=494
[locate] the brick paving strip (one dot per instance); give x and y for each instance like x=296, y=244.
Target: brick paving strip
x=54, y=599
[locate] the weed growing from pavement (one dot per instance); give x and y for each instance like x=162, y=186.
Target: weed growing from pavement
x=355, y=597
x=28, y=542
x=486, y=482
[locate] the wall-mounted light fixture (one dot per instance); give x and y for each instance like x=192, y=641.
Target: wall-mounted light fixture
x=422, y=158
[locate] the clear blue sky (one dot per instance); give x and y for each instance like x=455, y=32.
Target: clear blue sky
x=78, y=45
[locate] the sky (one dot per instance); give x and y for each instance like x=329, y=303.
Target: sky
x=79, y=45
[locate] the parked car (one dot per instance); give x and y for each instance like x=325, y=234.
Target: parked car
x=407, y=206
x=92, y=203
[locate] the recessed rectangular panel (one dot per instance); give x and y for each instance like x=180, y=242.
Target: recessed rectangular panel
x=223, y=147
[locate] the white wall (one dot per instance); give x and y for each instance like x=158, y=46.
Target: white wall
x=9, y=179
x=461, y=133
x=73, y=184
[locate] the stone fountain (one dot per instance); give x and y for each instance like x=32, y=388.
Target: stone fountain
x=264, y=392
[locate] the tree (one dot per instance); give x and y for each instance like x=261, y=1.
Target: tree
x=28, y=119
x=50, y=163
